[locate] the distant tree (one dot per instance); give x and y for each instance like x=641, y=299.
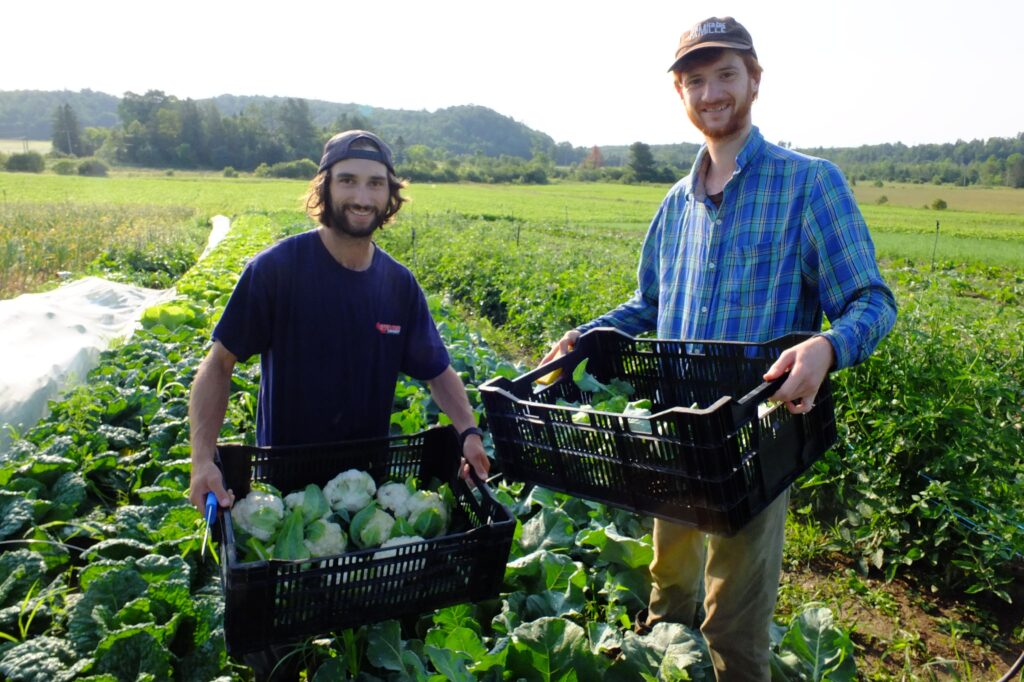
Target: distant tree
x=566, y=154
x=216, y=151
x=400, y=146
x=192, y=149
x=93, y=139
x=67, y=133
x=939, y=205
x=1015, y=170
x=299, y=135
x=641, y=162
x=594, y=159
x=351, y=122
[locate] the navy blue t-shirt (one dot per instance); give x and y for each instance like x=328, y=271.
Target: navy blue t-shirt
x=331, y=340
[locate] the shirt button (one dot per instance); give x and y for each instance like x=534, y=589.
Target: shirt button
x=718, y=222
x=703, y=308
x=711, y=266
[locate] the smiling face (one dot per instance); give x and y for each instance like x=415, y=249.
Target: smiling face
x=359, y=196
x=717, y=95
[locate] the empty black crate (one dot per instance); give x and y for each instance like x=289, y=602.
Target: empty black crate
x=277, y=602
x=705, y=458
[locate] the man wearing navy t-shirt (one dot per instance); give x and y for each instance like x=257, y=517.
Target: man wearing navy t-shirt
x=334, y=320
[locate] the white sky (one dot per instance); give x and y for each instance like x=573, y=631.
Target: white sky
x=586, y=72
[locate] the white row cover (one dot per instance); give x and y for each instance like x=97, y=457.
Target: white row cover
x=50, y=341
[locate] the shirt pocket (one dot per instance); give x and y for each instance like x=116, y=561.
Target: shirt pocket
x=749, y=272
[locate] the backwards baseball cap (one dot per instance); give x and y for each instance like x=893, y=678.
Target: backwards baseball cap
x=713, y=32
x=345, y=146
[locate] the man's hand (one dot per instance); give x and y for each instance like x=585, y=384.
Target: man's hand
x=562, y=346
x=473, y=454
x=807, y=363
x=206, y=477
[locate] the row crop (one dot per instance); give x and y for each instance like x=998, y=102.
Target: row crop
x=99, y=547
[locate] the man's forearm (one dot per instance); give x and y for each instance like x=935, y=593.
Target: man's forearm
x=208, y=404
x=449, y=393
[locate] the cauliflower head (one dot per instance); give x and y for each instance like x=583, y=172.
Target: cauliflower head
x=258, y=514
x=387, y=551
x=325, y=538
x=350, y=490
x=371, y=526
x=427, y=513
x=311, y=501
x=393, y=497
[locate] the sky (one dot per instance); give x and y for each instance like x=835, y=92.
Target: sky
x=836, y=74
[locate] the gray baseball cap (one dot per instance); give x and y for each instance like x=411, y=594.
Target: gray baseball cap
x=340, y=147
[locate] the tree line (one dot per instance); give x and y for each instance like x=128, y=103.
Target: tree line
x=271, y=136
x=276, y=137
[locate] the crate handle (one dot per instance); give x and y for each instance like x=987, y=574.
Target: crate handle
x=746, y=407
x=485, y=491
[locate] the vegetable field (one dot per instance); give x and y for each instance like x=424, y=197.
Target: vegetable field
x=101, y=577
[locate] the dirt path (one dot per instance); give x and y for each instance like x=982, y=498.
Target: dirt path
x=902, y=632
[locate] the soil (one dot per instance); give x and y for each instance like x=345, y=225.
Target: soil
x=903, y=631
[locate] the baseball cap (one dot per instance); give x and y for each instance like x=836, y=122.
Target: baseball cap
x=713, y=32
x=340, y=147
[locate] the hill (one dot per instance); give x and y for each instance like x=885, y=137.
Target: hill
x=29, y=113
x=458, y=130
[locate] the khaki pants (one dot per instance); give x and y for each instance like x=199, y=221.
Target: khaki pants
x=741, y=582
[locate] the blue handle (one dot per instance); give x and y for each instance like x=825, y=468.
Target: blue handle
x=211, y=509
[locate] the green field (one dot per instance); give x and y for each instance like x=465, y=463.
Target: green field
x=207, y=194
x=615, y=217
x=970, y=198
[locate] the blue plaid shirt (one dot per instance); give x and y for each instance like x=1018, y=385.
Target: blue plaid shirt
x=787, y=243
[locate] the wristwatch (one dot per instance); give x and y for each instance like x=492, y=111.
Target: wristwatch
x=471, y=431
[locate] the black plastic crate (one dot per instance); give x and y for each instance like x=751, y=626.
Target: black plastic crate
x=277, y=602
x=705, y=458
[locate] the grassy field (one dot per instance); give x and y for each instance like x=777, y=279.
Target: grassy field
x=989, y=230
x=971, y=198
x=207, y=194
x=9, y=146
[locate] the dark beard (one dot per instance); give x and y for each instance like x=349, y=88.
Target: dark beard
x=339, y=221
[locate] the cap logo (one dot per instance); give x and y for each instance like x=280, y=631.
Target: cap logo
x=707, y=28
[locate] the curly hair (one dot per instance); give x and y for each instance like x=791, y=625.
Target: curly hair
x=318, y=198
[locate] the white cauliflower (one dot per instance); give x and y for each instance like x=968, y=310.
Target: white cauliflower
x=371, y=526
x=324, y=538
x=311, y=500
x=385, y=553
x=393, y=497
x=259, y=514
x=350, y=490
x=427, y=513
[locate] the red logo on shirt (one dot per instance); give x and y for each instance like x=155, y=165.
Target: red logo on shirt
x=389, y=328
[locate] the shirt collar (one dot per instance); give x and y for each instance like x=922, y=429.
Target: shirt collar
x=751, y=148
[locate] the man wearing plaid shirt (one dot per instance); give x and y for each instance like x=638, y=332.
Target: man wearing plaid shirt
x=756, y=242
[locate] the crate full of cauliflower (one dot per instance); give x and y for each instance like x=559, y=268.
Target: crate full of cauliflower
x=327, y=537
